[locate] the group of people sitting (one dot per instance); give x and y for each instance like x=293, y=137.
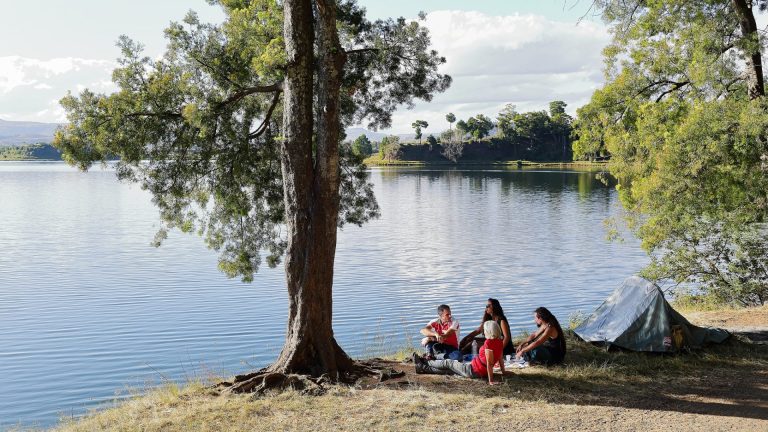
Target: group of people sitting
x=476, y=355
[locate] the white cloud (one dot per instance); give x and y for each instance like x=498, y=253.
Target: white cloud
x=526, y=60
x=31, y=88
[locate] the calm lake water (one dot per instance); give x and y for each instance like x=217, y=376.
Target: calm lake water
x=91, y=313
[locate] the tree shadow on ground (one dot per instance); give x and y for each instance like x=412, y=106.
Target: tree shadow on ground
x=755, y=336
x=725, y=380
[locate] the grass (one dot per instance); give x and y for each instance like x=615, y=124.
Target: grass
x=687, y=302
x=724, y=387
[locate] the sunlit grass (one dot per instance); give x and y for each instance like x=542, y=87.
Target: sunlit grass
x=583, y=391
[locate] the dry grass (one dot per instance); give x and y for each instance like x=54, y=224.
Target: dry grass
x=722, y=388
x=729, y=317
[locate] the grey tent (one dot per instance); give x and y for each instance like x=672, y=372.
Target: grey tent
x=638, y=317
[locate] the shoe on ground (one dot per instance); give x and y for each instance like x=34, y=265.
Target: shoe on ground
x=419, y=364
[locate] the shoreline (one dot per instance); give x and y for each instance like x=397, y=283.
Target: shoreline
x=514, y=164
x=723, y=387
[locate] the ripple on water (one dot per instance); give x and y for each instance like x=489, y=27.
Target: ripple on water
x=85, y=299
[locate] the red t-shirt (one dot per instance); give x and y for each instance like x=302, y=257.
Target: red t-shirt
x=442, y=327
x=478, y=363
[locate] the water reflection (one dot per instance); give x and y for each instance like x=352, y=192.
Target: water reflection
x=84, y=298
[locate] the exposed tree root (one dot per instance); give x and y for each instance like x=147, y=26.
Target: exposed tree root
x=375, y=367
x=265, y=380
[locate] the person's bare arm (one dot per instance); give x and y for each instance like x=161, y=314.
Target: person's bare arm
x=500, y=361
x=532, y=338
x=449, y=332
x=506, y=332
x=428, y=331
x=490, y=361
x=548, y=332
x=466, y=341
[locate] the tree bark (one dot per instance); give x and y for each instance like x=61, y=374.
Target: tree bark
x=311, y=191
x=755, y=85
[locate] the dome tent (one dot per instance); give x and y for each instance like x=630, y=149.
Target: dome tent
x=637, y=317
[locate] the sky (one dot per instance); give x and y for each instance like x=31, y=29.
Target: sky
x=523, y=52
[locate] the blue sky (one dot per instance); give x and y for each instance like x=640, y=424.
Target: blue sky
x=524, y=52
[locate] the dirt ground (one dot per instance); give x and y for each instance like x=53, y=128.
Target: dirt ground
x=751, y=322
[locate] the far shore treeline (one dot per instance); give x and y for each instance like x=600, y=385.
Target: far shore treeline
x=39, y=151
x=544, y=136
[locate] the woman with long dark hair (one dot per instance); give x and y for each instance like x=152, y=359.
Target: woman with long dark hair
x=547, y=344
x=493, y=312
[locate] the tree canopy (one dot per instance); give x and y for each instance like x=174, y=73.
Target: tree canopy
x=450, y=118
x=362, y=146
x=685, y=120
x=417, y=126
x=200, y=127
x=477, y=127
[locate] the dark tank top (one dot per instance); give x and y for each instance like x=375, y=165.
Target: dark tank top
x=554, y=347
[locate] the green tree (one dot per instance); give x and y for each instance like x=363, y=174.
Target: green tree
x=235, y=131
x=417, y=126
x=432, y=141
x=505, y=121
x=390, y=148
x=479, y=126
x=361, y=146
x=684, y=117
x=533, y=128
x=450, y=118
x=462, y=127
x=560, y=129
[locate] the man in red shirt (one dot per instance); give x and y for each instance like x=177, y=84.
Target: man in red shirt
x=441, y=334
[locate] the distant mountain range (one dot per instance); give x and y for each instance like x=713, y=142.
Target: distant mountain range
x=21, y=132
x=14, y=133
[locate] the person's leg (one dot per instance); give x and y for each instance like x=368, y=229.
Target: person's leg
x=446, y=367
x=453, y=354
x=430, y=349
x=440, y=350
x=538, y=355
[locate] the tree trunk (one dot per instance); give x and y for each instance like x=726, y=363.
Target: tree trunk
x=311, y=190
x=325, y=211
x=749, y=32
x=309, y=345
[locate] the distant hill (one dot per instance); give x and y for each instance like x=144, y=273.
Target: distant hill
x=14, y=133
x=29, y=152
x=353, y=133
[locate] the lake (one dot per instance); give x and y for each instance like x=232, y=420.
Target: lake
x=90, y=312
